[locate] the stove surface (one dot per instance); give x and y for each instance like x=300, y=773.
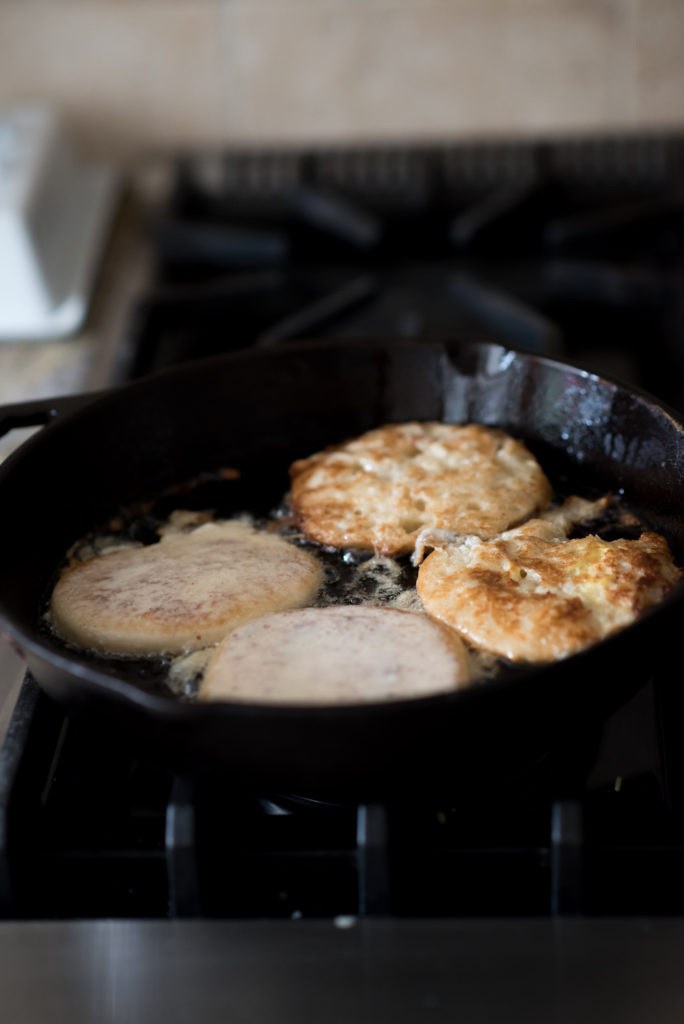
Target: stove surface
x=90, y=829
x=475, y=971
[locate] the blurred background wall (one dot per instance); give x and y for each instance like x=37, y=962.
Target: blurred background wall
x=133, y=74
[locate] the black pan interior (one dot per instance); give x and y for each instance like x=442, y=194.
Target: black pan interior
x=257, y=412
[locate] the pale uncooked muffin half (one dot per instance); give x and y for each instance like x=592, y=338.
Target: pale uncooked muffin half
x=343, y=654
x=182, y=593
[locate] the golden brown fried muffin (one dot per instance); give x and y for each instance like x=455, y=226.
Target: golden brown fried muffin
x=345, y=654
x=183, y=593
x=378, y=491
x=533, y=595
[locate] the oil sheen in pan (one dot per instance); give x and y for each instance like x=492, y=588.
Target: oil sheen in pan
x=356, y=577
x=350, y=577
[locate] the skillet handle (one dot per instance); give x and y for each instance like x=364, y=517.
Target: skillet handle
x=41, y=411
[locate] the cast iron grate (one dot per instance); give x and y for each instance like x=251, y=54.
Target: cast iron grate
x=573, y=247
x=88, y=830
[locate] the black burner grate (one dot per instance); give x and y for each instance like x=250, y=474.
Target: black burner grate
x=571, y=248
x=89, y=831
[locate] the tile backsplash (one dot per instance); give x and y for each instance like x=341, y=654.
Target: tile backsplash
x=134, y=74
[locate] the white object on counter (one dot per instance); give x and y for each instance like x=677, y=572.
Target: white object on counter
x=54, y=211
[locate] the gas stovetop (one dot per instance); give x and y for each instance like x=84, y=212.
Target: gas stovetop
x=89, y=830
x=573, y=249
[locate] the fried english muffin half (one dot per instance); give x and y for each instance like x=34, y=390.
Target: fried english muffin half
x=343, y=654
x=183, y=593
x=533, y=595
x=379, y=490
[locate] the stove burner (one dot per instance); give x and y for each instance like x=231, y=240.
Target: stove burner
x=571, y=249
x=86, y=830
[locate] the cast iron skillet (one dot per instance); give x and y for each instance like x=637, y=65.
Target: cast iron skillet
x=259, y=410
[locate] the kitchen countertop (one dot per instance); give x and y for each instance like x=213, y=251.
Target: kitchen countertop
x=90, y=360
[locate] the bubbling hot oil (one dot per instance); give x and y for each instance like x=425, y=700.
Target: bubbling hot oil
x=350, y=577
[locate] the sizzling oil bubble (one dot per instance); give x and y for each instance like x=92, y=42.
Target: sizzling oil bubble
x=187, y=670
